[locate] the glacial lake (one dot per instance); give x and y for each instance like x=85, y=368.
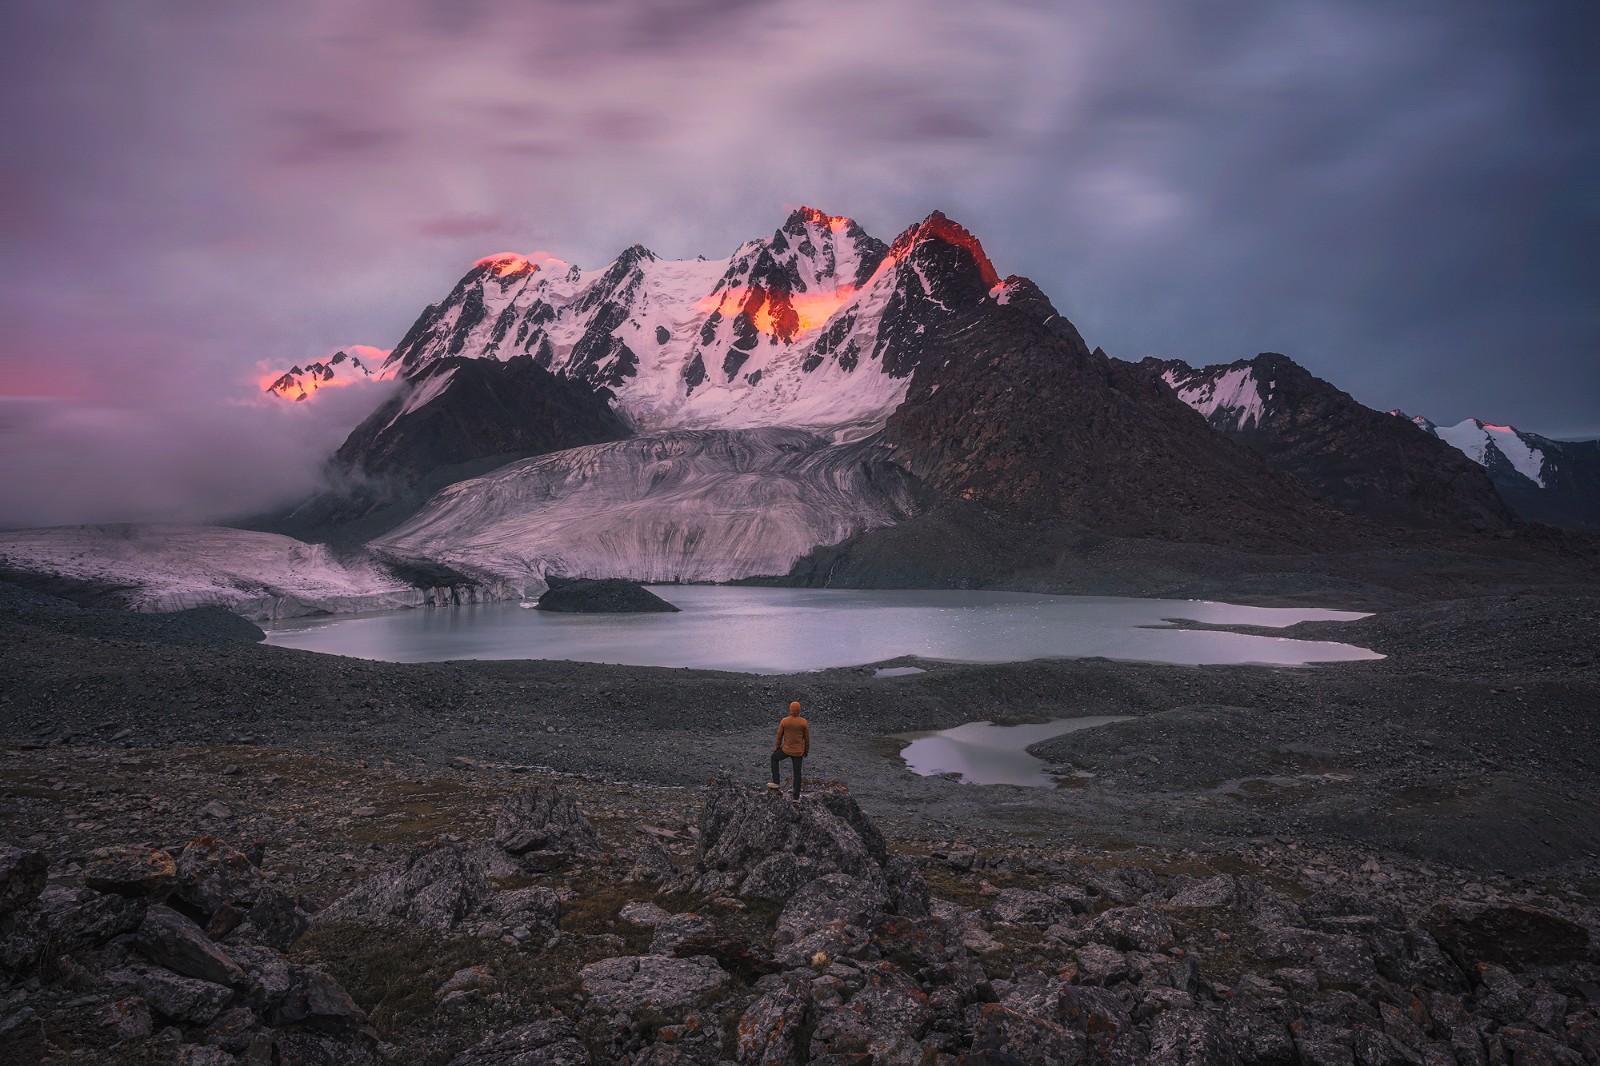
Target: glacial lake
x=780, y=630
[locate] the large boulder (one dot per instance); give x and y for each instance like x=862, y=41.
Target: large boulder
x=78, y=918
x=1001, y=1035
x=771, y=1031
x=1190, y=1038
x=1131, y=929
x=275, y=919
x=631, y=984
x=1025, y=906
x=434, y=889
x=188, y=1000
x=544, y=827
x=168, y=939
x=835, y=900
x=316, y=1001
x=22, y=877
x=212, y=875
x=535, y=909
x=1507, y=934
x=761, y=846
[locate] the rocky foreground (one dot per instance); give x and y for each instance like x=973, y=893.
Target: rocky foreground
x=478, y=918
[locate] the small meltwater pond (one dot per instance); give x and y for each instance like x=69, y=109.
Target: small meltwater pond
x=980, y=753
x=778, y=630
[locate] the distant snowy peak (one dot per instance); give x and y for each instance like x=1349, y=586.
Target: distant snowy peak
x=1234, y=396
x=818, y=325
x=1419, y=421
x=344, y=367
x=1351, y=456
x=1500, y=449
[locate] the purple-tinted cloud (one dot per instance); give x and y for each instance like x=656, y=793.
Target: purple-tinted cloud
x=463, y=226
x=1401, y=196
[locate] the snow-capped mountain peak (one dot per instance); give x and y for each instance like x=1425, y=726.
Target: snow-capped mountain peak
x=1499, y=448
x=1234, y=396
x=1543, y=479
x=817, y=325
x=343, y=367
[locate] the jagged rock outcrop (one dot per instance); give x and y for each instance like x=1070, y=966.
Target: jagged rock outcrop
x=759, y=846
x=447, y=890
x=543, y=826
x=602, y=596
x=551, y=1042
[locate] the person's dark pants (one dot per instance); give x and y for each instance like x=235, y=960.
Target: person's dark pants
x=777, y=757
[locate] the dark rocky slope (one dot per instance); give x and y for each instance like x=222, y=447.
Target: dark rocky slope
x=1012, y=412
x=1362, y=461
x=460, y=417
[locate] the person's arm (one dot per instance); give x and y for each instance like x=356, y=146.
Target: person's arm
x=805, y=738
x=777, y=742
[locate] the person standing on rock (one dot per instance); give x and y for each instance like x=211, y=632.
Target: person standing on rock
x=794, y=741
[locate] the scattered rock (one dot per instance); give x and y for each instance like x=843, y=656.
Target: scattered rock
x=649, y=915
x=131, y=871
x=834, y=899
x=78, y=918
x=316, y=1000
x=679, y=930
x=1024, y=906
x=1218, y=891
x=469, y=979
x=536, y=908
x=276, y=919
x=551, y=1042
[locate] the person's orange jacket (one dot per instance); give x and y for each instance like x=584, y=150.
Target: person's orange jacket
x=794, y=736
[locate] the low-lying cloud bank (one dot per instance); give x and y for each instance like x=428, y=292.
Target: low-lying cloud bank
x=66, y=461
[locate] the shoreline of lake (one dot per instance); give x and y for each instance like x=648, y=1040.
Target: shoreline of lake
x=766, y=630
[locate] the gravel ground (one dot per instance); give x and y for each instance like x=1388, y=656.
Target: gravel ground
x=1473, y=743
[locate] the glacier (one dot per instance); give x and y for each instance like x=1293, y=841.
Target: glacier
x=683, y=505
x=262, y=576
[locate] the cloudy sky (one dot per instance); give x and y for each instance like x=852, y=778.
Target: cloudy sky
x=1403, y=196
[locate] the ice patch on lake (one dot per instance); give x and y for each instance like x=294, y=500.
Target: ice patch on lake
x=982, y=753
